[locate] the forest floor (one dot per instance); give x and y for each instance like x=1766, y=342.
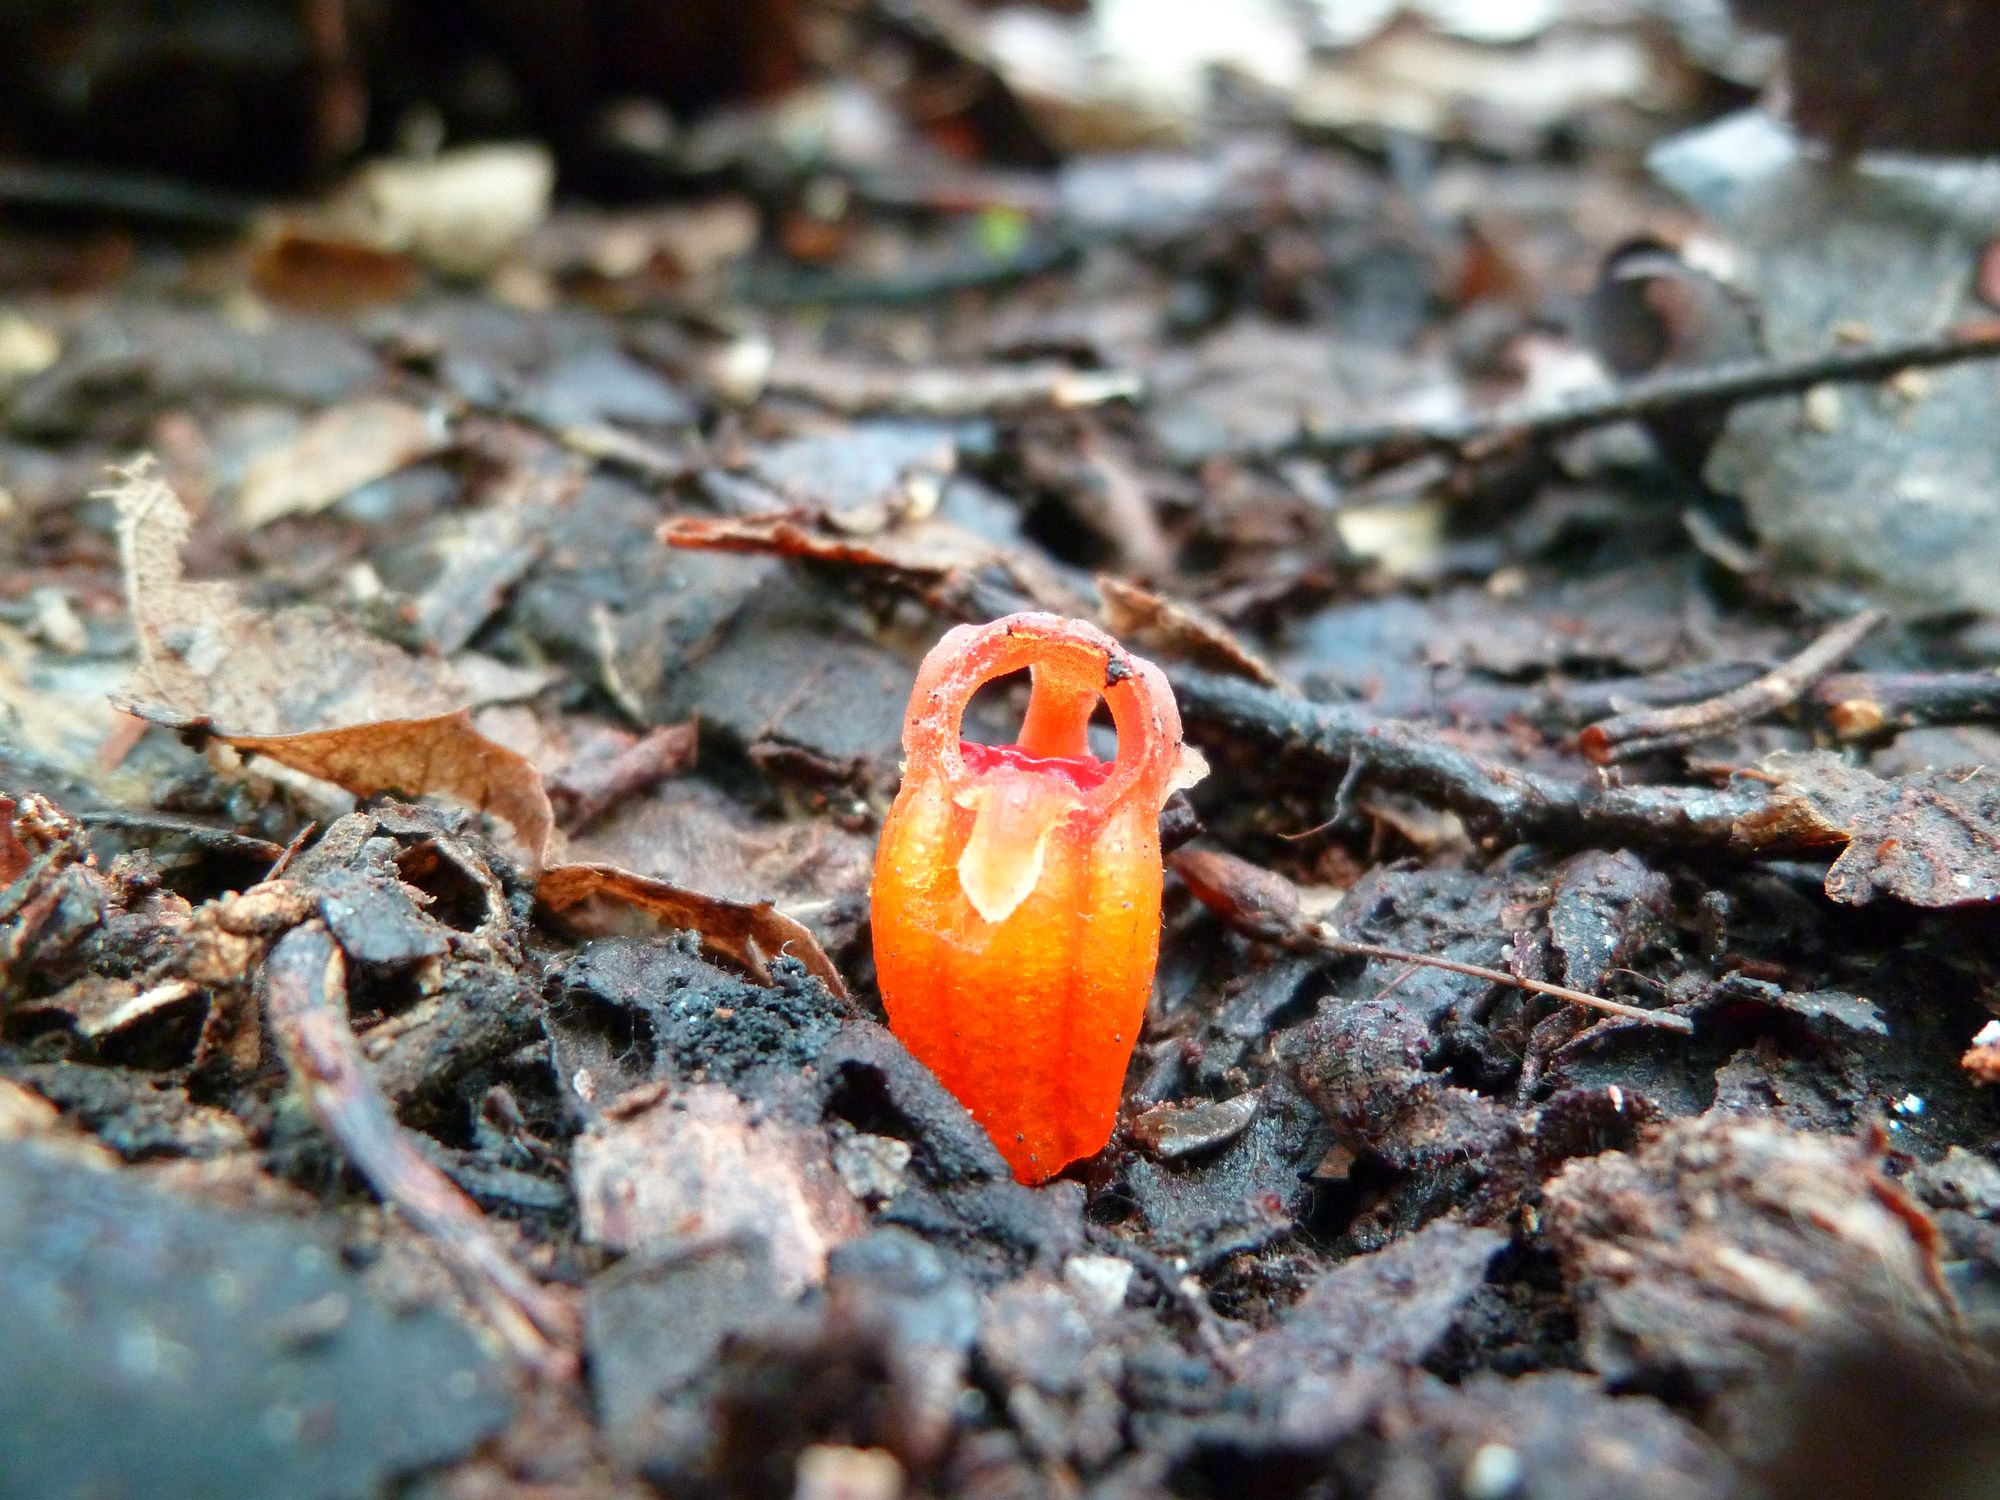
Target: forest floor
x=439, y=1046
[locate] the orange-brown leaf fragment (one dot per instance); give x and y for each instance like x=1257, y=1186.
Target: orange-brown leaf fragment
x=600, y=899
x=443, y=755
x=934, y=559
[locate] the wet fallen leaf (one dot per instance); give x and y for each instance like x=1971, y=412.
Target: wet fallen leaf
x=602, y=899
x=1931, y=839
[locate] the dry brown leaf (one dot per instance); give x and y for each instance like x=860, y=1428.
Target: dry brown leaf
x=335, y=454
x=300, y=268
x=1932, y=839
x=594, y=900
x=271, y=682
x=1150, y=622
x=203, y=654
x=443, y=755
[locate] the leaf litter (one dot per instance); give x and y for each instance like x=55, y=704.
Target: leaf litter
x=525, y=638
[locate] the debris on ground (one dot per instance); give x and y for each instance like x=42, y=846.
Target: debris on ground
x=475, y=491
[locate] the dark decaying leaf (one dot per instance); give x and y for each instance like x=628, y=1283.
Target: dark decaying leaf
x=1606, y=907
x=1931, y=839
x=1718, y=1253
x=1395, y=1305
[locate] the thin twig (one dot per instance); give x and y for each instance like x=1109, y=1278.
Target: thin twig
x=1625, y=736
x=306, y=1001
x=1265, y=905
x=1327, y=938
x=1483, y=436
x=226, y=841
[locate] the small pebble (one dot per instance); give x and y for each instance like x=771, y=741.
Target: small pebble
x=1171, y=1131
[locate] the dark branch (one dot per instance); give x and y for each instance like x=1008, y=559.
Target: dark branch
x=1488, y=435
x=1495, y=800
x=1863, y=705
x=1627, y=735
x=305, y=1000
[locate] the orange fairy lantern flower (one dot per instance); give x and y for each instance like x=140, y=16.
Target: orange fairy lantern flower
x=1017, y=887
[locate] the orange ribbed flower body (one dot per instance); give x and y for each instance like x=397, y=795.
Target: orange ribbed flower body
x=1017, y=887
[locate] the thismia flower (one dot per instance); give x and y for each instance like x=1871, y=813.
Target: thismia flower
x=1017, y=887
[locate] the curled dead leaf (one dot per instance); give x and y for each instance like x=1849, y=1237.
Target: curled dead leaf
x=597, y=900
x=1149, y=621
x=935, y=560
x=264, y=683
